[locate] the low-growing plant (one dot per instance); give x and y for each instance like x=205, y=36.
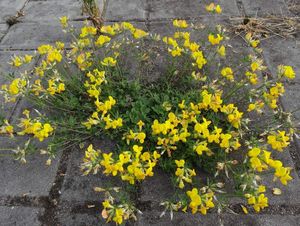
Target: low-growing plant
x=174, y=102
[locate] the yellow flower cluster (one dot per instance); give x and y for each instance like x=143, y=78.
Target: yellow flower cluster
x=6, y=128
x=54, y=86
x=16, y=87
x=258, y=200
x=185, y=46
x=177, y=127
x=227, y=73
x=93, y=86
x=278, y=141
x=183, y=173
x=18, y=61
x=139, y=136
x=214, y=8
x=180, y=23
x=261, y=160
x=252, y=77
x=110, y=212
x=34, y=127
x=274, y=93
x=131, y=165
x=200, y=202
x=53, y=54
x=286, y=71
x=234, y=116
x=215, y=40
x=253, y=42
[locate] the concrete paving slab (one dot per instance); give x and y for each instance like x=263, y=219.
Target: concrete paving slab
x=161, y=9
x=77, y=187
x=286, y=52
x=32, y=179
x=19, y=216
x=263, y=8
x=38, y=11
x=123, y=10
x=156, y=189
x=259, y=220
x=3, y=30
x=9, y=8
x=180, y=219
x=31, y=35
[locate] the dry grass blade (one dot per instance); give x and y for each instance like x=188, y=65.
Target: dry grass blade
x=266, y=27
x=294, y=6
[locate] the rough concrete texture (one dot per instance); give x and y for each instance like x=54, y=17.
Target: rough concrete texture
x=262, y=8
x=37, y=11
x=9, y=8
x=31, y=35
x=153, y=218
x=187, y=8
x=19, y=216
x=3, y=29
x=36, y=194
x=259, y=220
x=77, y=187
x=33, y=179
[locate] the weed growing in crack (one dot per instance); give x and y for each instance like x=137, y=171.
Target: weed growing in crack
x=174, y=102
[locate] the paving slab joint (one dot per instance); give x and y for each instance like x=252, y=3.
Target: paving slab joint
x=241, y=7
x=282, y=209
x=24, y=201
x=54, y=196
x=147, y=16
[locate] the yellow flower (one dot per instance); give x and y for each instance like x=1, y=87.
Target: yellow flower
x=54, y=55
x=64, y=21
x=221, y=50
x=254, y=43
x=140, y=124
x=7, y=128
x=195, y=199
x=286, y=71
x=43, y=49
x=202, y=147
x=180, y=163
x=108, y=30
x=102, y=39
x=180, y=23
x=176, y=52
x=259, y=202
x=16, y=85
x=227, y=73
x=254, y=152
x=283, y=174
x=88, y=30
x=251, y=107
x=138, y=33
x=214, y=8
x=218, y=9
x=16, y=61
x=278, y=141
x=128, y=26
x=215, y=40
x=252, y=76
x=261, y=189
x=109, y=61
x=27, y=59
x=118, y=216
